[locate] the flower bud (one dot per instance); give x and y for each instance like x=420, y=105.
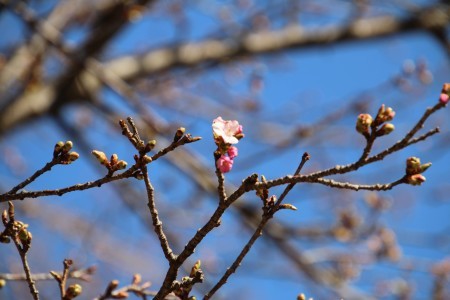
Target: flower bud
x=25, y=236
x=271, y=201
x=4, y=239
x=416, y=179
x=385, y=129
x=121, y=295
x=58, y=148
x=114, y=159
x=363, y=123
x=445, y=93
x=138, y=175
x=113, y=285
x=424, y=167
x=288, y=206
x=179, y=134
x=413, y=166
x=232, y=152
x=195, y=268
x=137, y=278
x=147, y=159
x=385, y=114
x=150, y=145
x=101, y=156
x=121, y=164
x=224, y=164
x=67, y=146
x=301, y=297
x=73, y=291
x=73, y=156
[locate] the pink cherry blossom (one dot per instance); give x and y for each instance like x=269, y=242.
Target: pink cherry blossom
x=232, y=152
x=224, y=164
x=226, y=130
x=444, y=98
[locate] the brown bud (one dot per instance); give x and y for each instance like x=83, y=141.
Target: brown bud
x=4, y=239
x=67, y=146
x=150, y=145
x=121, y=164
x=385, y=114
x=385, y=129
x=73, y=156
x=101, y=156
x=147, y=159
x=301, y=297
x=195, y=268
x=136, y=279
x=413, y=165
x=120, y=295
x=363, y=123
x=58, y=148
x=178, y=134
x=288, y=206
x=73, y=291
x=114, y=159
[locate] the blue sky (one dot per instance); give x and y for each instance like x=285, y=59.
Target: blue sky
x=300, y=86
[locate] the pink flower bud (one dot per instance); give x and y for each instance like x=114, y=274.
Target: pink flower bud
x=445, y=93
x=416, y=179
x=232, y=152
x=224, y=164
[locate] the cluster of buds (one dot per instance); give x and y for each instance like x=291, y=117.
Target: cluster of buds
x=15, y=230
x=61, y=151
x=445, y=93
x=226, y=134
x=269, y=202
x=182, y=289
x=136, y=287
x=113, y=164
x=414, y=170
x=365, y=124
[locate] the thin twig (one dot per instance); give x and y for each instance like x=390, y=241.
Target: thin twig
x=76, y=187
x=357, y=187
x=31, y=283
x=23, y=242
x=221, y=186
x=82, y=274
x=267, y=215
x=289, y=187
x=186, y=139
x=48, y=166
x=62, y=278
x=406, y=141
x=157, y=224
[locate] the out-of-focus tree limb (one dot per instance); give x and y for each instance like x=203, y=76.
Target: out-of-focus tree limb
x=77, y=82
